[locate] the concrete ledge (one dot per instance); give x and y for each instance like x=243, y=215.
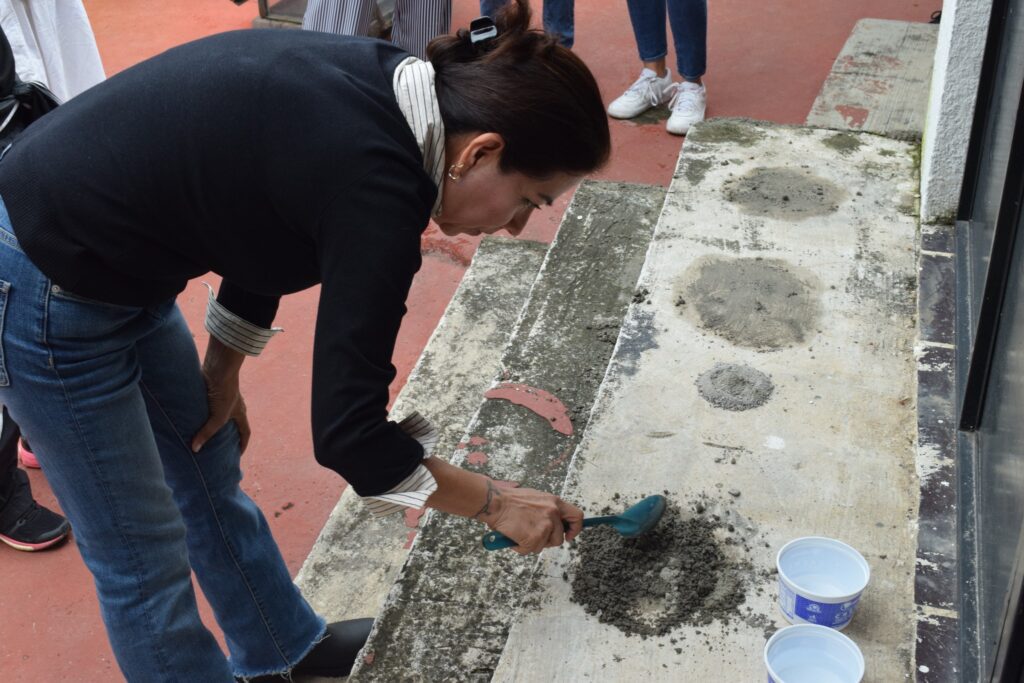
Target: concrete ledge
x=447, y=616
x=357, y=556
x=880, y=81
x=789, y=251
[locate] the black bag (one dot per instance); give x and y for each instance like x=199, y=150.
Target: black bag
x=20, y=103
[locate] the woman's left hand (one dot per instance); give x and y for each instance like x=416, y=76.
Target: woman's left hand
x=221, y=368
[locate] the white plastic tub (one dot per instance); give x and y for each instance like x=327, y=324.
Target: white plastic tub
x=812, y=654
x=820, y=581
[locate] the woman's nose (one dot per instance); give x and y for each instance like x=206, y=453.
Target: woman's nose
x=518, y=222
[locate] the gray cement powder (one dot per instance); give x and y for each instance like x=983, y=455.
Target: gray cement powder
x=674, y=574
x=734, y=387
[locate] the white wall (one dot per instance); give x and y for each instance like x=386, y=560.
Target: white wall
x=954, y=88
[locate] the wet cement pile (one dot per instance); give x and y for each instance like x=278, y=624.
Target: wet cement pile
x=785, y=193
x=734, y=387
x=674, y=574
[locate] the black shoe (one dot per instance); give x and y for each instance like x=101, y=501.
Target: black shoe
x=332, y=657
x=24, y=523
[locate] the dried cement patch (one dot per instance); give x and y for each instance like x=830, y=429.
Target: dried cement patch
x=764, y=304
x=734, y=387
x=786, y=193
x=674, y=574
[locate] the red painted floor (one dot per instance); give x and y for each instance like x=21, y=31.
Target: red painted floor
x=766, y=61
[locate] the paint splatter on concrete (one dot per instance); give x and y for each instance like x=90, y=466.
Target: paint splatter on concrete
x=539, y=401
x=764, y=304
x=675, y=574
x=792, y=194
x=734, y=387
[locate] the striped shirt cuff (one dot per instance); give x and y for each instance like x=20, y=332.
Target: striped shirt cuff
x=414, y=490
x=233, y=331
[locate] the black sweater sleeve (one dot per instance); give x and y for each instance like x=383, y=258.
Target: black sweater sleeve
x=369, y=246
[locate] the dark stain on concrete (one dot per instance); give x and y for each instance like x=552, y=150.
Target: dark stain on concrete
x=743, y=132
x=638, y=335
x=844, y=143
x=651, y=116
x=786, y=193
x=763, y=304
x=734, y=387
x=695, y=169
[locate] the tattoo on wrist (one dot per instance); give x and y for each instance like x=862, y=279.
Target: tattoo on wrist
x=492, y=492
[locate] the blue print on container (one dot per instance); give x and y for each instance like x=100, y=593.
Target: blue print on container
x=833, y=615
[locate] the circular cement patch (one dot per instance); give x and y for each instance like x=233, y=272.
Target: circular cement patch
x=675, y=573
x=764, y=304
x=787, y=193
x=734, y=387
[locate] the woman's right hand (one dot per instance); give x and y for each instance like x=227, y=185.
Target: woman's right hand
x=533, y=519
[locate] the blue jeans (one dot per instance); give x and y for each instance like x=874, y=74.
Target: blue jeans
x=110, y=397
x=689, y=20
x=558, y=17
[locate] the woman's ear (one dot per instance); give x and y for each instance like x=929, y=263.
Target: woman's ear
x=483, y=147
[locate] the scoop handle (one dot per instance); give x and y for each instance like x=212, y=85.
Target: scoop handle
x=495, y=540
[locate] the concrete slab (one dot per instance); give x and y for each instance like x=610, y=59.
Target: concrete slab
x=448, y=614
x=791, y=252
x=880, y=81
x=357, y=556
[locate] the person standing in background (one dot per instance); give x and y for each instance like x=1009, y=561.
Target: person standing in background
x=53, y=44
x=559, y=19
x=415, y=22
x=687, y=100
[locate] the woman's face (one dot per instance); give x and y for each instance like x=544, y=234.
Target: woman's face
x=484, y=200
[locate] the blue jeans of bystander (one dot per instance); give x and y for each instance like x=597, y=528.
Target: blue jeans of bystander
x=558, y=17
x=689, y=20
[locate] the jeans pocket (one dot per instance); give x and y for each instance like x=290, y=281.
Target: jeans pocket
x=5, y=288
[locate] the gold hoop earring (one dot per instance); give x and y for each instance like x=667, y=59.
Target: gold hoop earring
x=452, y=169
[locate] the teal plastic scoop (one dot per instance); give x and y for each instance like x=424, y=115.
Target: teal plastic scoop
x=634, y=521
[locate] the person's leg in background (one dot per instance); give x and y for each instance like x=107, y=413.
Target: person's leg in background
x=655, y=86
x=558, y=16
x=345, y=17
x=24, y=524
x=689, y=21
x=417, y=22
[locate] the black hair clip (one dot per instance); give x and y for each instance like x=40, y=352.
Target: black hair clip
x=482, y=29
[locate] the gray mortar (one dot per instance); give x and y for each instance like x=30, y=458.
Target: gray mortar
x=844, y=143
x=764, y=304
x=696, y=168
x=652, y=116
x=785, y=193
x=674, y=574
x=734, y=387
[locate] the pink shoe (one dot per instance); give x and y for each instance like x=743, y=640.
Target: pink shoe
x=26, y=457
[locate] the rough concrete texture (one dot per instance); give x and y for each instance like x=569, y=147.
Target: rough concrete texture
x=357, y=556
x=448, y=614
x=879, y=82
x=954, y=90
x=832, y=452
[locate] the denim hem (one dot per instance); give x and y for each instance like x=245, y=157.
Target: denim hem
x=651, y=59
x=287, y=673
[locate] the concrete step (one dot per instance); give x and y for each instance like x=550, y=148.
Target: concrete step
x=357, y=556
x=766, y=385
x=880, y=81
x=448, y=613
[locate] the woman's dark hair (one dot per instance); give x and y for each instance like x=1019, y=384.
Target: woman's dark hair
x=539, y=96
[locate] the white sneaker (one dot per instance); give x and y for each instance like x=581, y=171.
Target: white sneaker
x=688, y=105
x=648, y=91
